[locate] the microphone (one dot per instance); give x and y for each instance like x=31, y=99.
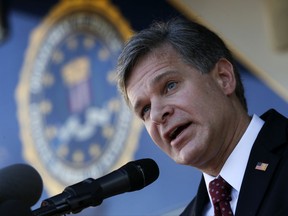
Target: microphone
x=132, y=176
x=20, y=182
x=15, y=208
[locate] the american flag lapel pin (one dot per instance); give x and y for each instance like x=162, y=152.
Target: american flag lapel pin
x=261, y=166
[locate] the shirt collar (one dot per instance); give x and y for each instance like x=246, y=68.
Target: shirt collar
x=233, y=169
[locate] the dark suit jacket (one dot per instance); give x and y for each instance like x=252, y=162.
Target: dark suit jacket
x=263, y=193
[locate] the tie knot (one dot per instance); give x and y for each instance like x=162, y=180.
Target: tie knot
x=220, y=190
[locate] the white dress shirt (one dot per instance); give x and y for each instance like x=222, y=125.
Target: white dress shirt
x=235, y=166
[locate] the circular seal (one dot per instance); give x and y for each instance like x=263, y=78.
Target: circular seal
x=74, y=123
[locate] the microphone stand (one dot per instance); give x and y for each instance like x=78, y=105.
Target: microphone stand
x=71, y=203
x=49, y=211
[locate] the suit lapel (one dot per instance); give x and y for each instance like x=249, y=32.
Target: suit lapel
x=255, y=182
x=201, y=200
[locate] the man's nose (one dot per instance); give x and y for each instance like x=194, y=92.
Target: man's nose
x=160, y=112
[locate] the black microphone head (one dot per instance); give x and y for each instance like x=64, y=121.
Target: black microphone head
x=141, y=173
x=15, y=208
x=20, y=182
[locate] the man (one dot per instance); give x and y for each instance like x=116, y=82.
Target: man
x=181, y=80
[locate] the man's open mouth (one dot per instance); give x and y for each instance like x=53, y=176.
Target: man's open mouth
x=177, y=131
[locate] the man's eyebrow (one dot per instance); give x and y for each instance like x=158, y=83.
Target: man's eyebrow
x=161, y=76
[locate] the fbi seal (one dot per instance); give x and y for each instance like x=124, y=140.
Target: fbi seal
x=73, y=122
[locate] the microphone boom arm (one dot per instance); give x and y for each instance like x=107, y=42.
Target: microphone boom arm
x=72, y=200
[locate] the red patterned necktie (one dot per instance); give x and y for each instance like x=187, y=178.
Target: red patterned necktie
x=220, y=192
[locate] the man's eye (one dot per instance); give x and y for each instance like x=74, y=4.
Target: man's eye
x=145, y=110
x=171, y=85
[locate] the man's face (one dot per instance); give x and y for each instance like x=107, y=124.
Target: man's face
x=184, y=112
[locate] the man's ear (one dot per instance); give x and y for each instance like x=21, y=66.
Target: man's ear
x=223, y=73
